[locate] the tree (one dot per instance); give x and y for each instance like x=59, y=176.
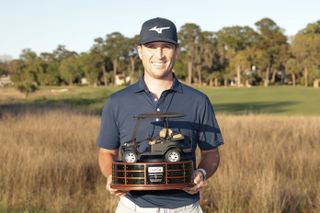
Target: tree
x=61, y=52
x=69, y=69
x=27, y=87
x=90, y=67
x=33, y=64
x=274, y=45
x=292, y=66
x=50, y=74
x=24, y=72
x=189, y=36
x=4, y=64
x=214, y=78
x=205, y=53
x=15, y=68
x=243, y=61
x=65, y=62
x=133, y=55
x=306, y=48
x=99, y=52
x=3, y=68
x=180, y=66
x=117, y=49
x=231, y=41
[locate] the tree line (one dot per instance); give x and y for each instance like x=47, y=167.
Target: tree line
x=236, y=55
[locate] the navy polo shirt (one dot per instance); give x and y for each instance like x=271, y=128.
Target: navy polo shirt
x=199, y=125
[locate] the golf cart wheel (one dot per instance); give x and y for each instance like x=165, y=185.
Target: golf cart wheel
x=130, y=157
x=173, y=155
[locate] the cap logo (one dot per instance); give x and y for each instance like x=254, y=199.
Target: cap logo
x=159, y=30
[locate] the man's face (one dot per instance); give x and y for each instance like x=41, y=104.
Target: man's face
x=158, y=58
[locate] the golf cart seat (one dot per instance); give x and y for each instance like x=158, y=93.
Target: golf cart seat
x=176, y=136
x=168, y=133
x=165, y=132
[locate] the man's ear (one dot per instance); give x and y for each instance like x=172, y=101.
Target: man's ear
x=177, y=52
x=139, y=49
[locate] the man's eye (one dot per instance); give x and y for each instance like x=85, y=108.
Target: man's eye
x=167, y=46
x=155, y=46
x=150, y=46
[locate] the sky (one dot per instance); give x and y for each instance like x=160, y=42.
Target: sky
x=42, y=25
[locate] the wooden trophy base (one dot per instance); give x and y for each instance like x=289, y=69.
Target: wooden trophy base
x=152, y=175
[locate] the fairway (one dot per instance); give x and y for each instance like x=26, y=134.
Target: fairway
x=276, y=100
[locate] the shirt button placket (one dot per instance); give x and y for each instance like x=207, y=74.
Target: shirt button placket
x=158, y=109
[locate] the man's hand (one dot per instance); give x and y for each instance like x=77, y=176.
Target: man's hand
x=106, y=157
x=198, y=181
x=112, y=191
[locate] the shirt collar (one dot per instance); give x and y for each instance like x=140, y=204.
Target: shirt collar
x=141, y=86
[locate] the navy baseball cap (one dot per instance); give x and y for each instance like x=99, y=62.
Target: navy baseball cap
x=158, y=29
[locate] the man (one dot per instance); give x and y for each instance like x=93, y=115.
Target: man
x=158, y=90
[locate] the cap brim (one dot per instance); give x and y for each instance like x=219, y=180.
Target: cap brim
x=157, y=40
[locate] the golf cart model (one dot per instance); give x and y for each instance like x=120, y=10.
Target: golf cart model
x=167, y=146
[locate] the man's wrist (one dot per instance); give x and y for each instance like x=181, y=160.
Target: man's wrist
x=203, y=172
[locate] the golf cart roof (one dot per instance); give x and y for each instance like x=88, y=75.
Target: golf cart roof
x=159, y=115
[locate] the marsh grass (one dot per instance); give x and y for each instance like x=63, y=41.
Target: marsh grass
x=269, y=164
x=48, y=162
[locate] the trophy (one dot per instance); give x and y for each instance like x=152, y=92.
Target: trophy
x=160, y=166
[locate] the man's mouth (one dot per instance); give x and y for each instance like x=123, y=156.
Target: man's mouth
x=158, y=64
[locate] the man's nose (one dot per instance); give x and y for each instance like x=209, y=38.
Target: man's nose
x=159, y=52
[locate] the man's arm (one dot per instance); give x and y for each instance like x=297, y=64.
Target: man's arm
x=209, y=162
x=106, y=157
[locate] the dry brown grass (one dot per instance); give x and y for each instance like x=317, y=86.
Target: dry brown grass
x=269, y=164
x=48, y=162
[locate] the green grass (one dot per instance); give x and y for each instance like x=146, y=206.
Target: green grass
x=3, y=206
x=276, y=100
x=87, y=98
x=280, y=100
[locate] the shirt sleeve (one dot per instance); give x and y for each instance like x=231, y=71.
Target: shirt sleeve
x=209, y=131
x=109, y=132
